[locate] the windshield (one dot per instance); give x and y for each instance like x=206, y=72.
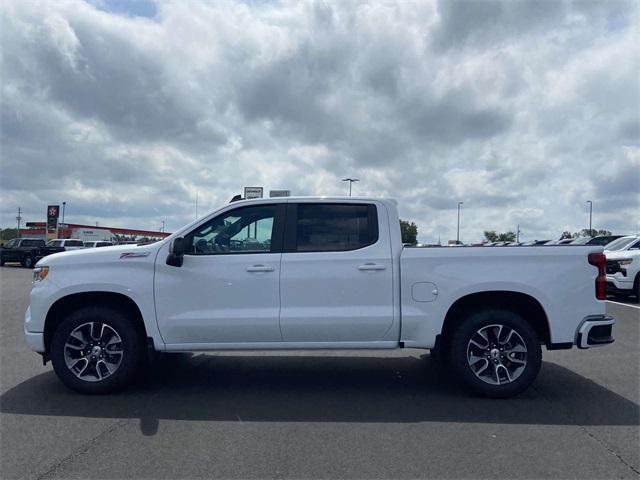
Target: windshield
x=620, y=244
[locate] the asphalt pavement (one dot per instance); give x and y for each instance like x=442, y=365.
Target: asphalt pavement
x=382, y=414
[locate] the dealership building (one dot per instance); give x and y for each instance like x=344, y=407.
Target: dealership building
x=89, y=232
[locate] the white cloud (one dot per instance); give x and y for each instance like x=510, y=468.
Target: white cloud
x=520, y=111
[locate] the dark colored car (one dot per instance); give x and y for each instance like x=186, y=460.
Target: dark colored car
x=603, y=240
x=26, y=251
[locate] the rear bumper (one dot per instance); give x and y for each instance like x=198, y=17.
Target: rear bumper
x=595, y=331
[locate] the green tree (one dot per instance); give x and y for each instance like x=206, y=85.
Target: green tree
x=8, y=233
x=492, y=236
x=585, y=232
x=409, y=231
x=507, y=237
x=566, y=234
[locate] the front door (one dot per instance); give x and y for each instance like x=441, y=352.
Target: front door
x=227, y=289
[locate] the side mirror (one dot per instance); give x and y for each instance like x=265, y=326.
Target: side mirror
x=176, y=252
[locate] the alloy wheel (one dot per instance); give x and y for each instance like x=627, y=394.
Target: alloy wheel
x=93, y=351
x=497, y=354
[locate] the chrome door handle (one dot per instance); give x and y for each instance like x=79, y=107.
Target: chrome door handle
x=371, y=266
x=260, y=268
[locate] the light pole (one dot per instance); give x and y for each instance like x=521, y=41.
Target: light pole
x=18, y=218
x=64, y=204
x=590, y=215
x=458, y=234
x=350, y=180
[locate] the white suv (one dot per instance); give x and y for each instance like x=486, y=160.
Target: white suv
x=67, y=243
x=623, y=266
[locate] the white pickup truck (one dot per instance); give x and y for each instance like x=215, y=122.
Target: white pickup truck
x=314, y=273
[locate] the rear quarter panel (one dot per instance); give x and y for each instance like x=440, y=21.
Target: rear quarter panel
x=560, y=278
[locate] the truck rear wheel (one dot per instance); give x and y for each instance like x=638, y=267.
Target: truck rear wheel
x=496, y=353
x=96, y=350
x=27, y=261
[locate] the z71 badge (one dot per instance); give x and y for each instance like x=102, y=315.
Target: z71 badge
x=134, y=254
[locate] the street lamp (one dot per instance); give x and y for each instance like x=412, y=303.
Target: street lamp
x=350, y=180
x=64, y=204
x=590, y=215
x=458, y=234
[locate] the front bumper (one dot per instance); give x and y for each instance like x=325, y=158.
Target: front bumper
x=595, y=331
x=35, y=340
x=618, y=283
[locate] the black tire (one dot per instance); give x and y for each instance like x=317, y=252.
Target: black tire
x=27, y=261
x=131, y=345
x=637, y=289
x=1, y=262
x=461, y=345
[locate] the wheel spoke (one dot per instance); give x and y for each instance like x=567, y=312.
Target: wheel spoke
x=78, y=360
x=506, y=371
x=508, y=339
x=484, y=367
x=517, y=349
x=499, y=328
x=473, y=359
x=78, y=335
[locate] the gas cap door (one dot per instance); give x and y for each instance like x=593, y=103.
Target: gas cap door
x=424, y=291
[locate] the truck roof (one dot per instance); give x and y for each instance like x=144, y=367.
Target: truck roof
x=338, y=198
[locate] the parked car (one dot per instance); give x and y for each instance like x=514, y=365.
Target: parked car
x=97, y=244
x=67, y=244
x=536, y=243
x=623, y=269
x=564, y=241
x=622, y=243
x=26, y=251
x=602, y=240
x=314, y=273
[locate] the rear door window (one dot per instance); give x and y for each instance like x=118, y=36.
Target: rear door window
x=334, y=227
x=73, y=243
x=33, y=243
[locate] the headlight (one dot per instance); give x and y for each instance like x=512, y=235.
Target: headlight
x=40, y=273
x=626, y=261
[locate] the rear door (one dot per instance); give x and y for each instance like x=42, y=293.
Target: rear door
x=336, y=273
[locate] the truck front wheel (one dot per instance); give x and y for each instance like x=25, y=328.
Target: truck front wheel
x=496, y=353
x=96, y=350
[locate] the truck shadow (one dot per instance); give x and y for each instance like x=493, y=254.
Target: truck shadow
x=322, y=389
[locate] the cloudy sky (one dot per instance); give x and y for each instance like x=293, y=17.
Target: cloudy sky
x=523, y=110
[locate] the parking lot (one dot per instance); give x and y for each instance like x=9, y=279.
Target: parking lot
x=319, y=415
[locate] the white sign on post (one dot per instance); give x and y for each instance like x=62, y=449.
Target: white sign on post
x=279, y=193
x=253, y=192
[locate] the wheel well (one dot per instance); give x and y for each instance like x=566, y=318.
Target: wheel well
x=66, y=305
x=525, y=305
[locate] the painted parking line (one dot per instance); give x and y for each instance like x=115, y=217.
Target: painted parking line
x=624, y=304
